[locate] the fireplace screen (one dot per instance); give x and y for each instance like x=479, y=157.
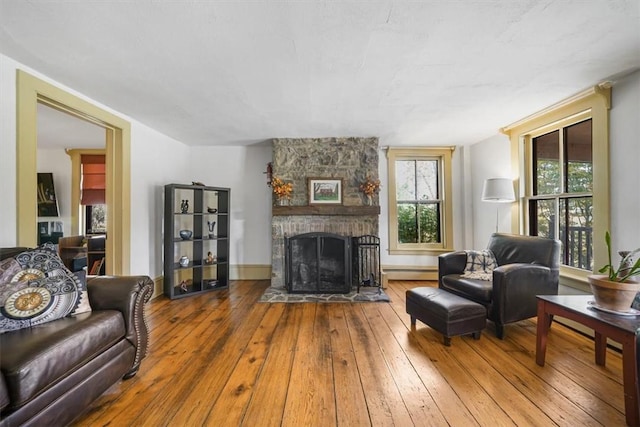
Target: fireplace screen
x=366, y=262
x=318, y=263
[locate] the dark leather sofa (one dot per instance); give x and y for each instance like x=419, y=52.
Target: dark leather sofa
x=527, y=266
x=51, y=372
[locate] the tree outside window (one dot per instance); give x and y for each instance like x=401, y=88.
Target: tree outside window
x=561, y=205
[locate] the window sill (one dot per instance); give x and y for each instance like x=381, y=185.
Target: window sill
x=574, y=278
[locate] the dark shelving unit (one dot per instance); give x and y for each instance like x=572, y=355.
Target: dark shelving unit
x=207, y=252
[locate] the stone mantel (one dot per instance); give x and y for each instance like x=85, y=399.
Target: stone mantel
x=327, y=210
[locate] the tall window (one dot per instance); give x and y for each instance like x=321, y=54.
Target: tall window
x=562, y=156
x=561, y=204
x=419, y=200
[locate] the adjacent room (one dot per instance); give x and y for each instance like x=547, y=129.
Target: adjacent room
x=327, y=213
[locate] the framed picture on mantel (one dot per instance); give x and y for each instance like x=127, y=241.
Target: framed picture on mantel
x=325, y=191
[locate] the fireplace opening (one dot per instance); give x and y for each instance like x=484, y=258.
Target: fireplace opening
x=318, y=263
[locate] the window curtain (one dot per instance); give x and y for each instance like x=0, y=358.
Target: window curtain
x=93, y=182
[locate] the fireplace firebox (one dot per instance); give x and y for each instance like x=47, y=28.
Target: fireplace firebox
x=318, y=263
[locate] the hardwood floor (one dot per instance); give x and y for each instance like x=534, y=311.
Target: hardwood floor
x=222, y=359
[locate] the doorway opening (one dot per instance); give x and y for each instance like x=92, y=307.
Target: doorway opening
x=30, y=92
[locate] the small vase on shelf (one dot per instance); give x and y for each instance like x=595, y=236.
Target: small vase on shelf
x=282, y=201
x=369, y=200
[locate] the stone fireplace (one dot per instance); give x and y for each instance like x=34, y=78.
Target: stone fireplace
x=295, y=160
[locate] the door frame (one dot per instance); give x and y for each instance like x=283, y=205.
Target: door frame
x=30, y=92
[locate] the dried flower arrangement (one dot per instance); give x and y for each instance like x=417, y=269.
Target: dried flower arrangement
x=281, y=189
x=370, y=186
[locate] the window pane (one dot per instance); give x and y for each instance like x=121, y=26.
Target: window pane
x=576, y=232
x=427, y=171
x=405, y=180
x=407, y=223
x=430, y=223
x=543, y=217
x=546, y=164
x=579, y=157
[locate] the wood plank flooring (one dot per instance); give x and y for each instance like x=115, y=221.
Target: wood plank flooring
x=222, y=359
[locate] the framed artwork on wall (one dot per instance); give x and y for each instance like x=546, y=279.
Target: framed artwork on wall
x=325, y=191
x=47, y=202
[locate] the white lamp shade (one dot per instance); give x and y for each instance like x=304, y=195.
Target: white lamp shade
x=498, y=190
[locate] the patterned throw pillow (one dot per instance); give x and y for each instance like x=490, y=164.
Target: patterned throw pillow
x=480, y=265
x=35, y=288
x=83, y=305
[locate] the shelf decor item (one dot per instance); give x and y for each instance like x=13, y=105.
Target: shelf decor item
x=370, y=187
x=614, y=290
x=282, y=190
x=211, y=225
x=200, y=255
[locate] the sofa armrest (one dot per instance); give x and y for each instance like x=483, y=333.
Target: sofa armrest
x=127, y=294
x=451, y=263
x=515, y=287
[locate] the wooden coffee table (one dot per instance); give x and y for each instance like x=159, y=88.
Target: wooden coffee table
x=605, y=325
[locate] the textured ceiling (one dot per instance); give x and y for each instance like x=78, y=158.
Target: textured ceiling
x=410, y=73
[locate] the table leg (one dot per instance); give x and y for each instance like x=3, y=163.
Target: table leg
x=601, y=348
x=544, y=320
x=629, y=372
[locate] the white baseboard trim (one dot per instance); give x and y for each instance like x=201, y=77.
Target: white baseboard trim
x=410, y=272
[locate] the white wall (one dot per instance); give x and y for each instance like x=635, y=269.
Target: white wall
x=489, y=158
x=8, y=229
x=625, y=163
x=59, y=164
x=156, y=160
x=242, y=170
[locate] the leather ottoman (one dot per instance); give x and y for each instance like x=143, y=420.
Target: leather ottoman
x=449, y=314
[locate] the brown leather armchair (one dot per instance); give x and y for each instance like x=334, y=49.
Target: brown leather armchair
x=527, y=266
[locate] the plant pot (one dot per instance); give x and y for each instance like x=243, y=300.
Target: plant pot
x=616, y=296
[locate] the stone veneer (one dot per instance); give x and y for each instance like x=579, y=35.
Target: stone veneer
x=295, y=160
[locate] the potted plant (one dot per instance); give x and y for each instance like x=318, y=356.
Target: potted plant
x=614, y=290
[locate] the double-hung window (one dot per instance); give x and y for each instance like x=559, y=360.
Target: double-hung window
x=562, y=155
x=561, y=203
x=419, y=200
